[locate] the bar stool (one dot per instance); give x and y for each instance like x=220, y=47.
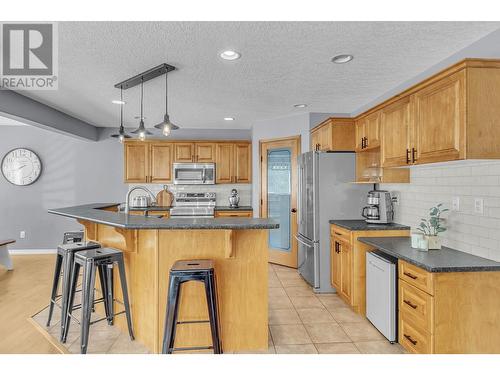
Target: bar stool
x=90, y=261
x=71, y=237
x=63, y=268
x=181, y=272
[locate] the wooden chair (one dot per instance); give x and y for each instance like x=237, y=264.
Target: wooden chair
x=5, y=258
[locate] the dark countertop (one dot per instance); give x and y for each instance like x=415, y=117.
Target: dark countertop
x=94, y=212
x=358, y=225
x=444, y=260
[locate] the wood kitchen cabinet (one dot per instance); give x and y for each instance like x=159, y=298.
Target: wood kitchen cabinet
x=148, y=162
x=396, y=129
x=233, y=163
x=234, y=213
x=202, y=152
x=333, y=134
x=367, y=131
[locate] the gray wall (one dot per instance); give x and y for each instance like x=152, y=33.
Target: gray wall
x=74, y=172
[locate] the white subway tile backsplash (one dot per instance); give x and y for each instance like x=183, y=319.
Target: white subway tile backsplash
x=467, y=231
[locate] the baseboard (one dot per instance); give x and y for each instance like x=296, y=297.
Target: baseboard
x=32, y=251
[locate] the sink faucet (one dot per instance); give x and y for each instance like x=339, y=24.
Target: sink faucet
x=143, y=188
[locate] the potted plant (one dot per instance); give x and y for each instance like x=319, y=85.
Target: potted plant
x=432, y=227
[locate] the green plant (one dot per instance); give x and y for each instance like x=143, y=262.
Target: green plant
x=433, y=226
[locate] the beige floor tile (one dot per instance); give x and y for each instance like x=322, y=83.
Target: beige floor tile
x=326, y=333
x=306, y=302
x=274, y=283
x=296, y=349
x=99, y=342
x=288, y=276
x=299, y=291
x=283, y=316
x=293, y=282
x=277, y=292
x=289, y=334
x=345, y=315
x=362, y=331
x=315, y=315
x=379, y=347
x=337, y=348
x=280, y=303
x=331, y=300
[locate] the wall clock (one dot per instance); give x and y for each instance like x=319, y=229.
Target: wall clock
x=21, y=167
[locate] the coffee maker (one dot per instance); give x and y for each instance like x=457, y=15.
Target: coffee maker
x=380, y=209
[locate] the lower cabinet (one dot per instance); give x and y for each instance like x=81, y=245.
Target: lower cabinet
x=233, y=213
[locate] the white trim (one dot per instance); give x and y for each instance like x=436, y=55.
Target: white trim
x=32, y=251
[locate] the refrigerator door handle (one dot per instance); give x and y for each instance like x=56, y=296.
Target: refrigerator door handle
x=316, y=265
x=303, y=242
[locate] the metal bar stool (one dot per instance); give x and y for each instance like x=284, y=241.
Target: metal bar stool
x=91, y=260
x=181, y=272
x=63, y=267
x=71, y=237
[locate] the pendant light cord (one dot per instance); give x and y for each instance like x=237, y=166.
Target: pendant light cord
x=166, y=92
x=142, y=99
x=121, y=107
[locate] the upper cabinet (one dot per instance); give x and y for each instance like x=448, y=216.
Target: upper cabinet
x=136, y=162
x=333, y=134
x=233, y=163
x=160, y=162
x=396, y=129
x=368, y=132
x=148, y=162
x=204, y=152
x=199, y=152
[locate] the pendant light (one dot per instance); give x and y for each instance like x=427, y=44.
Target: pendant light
x=141, y=130
x=121, y=135
x=166, y=126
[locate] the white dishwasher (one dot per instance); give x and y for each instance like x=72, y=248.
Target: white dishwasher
x=381, y=293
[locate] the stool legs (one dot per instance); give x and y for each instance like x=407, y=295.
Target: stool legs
x=110, y=291
x=171, y=318
x=87, y=303
x=123, y=281
x=103, y=279
x=71, y=300
x=212, y=311
x=55, y=286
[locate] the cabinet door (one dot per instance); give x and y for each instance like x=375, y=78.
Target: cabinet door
x=346, y=267
x=360, y=133
x=224, y=154
x=372, y=130
x=242, y=163
x=136, y=162
x=160, y=162
x=315, y=140
x=183, y=152
x=335, y=263
x=440, y=120
x=205, y=152
x=395, y=127
x=343, y=135
x=233, y=214
x=325, y=135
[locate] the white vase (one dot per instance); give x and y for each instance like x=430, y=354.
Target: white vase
x=433, y=242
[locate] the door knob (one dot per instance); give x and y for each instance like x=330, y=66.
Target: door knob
x=293, y=210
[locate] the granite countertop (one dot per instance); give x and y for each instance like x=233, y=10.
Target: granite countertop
x=359, y=225
x=444, y=260
x=95, y=212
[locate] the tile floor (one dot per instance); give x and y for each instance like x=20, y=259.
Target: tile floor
x=300, y=322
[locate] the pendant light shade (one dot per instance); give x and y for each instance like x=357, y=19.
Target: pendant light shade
x=141, y=131
x=121, y=135
x=166, y=126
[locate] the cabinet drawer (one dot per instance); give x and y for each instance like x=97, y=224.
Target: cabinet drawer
x=234, y=214
x=413, y=338
x=340, y=233
x=416, y=276
x=416, y=304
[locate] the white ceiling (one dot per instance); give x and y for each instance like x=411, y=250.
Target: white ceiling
x=282, y=63
x=5, y=121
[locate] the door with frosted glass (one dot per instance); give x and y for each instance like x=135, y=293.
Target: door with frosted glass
x=279, y=197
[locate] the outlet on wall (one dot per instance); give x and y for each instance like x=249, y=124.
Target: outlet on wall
x=455, y=204
x=479, y=206
x=22, y=234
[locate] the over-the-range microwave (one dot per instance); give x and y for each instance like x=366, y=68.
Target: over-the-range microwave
x=194, y=173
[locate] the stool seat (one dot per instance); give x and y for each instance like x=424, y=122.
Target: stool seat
x=103, y=252
x=193, y=265
x=77, y=246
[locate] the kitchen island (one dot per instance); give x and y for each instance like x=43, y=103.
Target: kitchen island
x=151, y=245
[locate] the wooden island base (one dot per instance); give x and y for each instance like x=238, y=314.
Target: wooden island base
x=240, y=257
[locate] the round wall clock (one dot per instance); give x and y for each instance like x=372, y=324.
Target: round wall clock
x=21, y=167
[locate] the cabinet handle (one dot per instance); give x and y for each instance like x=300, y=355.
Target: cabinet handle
x=337, y=233
x=408, y=337
x=411, y=276
x=413, y=154
x=410, y=304
x=362, y=142
x=408, y=156
x=366, y=142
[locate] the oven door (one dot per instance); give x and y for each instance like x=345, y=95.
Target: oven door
x=194, y=173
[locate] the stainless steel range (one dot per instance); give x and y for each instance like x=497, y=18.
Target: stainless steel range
x=193, y=205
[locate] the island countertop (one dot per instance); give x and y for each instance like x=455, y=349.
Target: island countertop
x=95, y=212
x=444, y=260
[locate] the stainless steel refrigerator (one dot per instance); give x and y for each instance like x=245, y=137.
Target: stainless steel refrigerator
x=325, y=192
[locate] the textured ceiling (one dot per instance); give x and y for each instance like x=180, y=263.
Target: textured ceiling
x=5, y=121
x=282, y=63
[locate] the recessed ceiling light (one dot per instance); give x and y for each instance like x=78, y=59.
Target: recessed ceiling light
x=121, y=102
x=230, y=55
x=300, y=105
x=342, y=59
x=229, y=118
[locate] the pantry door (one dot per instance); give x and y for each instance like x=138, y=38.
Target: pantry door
x=278, y=176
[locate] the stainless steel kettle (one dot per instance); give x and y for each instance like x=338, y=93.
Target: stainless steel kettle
x=234, y=199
